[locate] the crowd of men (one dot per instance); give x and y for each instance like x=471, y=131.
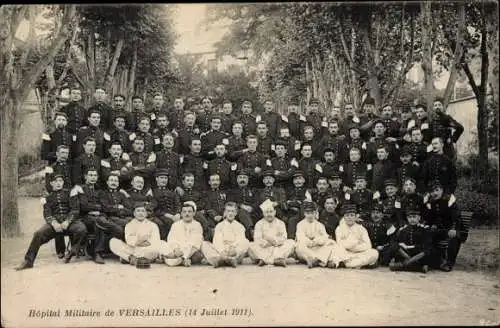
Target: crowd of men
x=192, y=183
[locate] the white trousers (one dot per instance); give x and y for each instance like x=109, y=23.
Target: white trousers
x=211, y=253
x=167, y=249
x=271, y=253
x=331, y=252
x=359, y=259
x=124, y=251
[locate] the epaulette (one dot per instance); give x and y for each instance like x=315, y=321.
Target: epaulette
x=391, y=230
x=151, y=158
x=403, y=227
x=355, y=119
x=452, y=200
x=76, y=190
x=46, y=137
x=49, y=170
x=106, y=136
x=125, y=193
x=105, y=163
x=149, y=193
x=43, y=200
x=125, y=157
x=132, y=136
x=318, y=168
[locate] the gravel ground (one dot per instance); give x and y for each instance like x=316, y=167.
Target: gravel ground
x=247, y=295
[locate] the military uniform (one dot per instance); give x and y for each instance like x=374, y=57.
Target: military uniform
x=292, y=147
x=285, y=171
x=329, y=169
x=244, y=196
x=235, y=148
x=59, y=168
x=249, y=124
x=184, y=139
x=58, y=206
x=151, y=143
x=203, y=120
x=406, y=171
x=76, y=114
x=225, y=170
x=364, y=201
x=392, y=209
x=392, y=127
x=211, y=139
x=176, y=119
x=132, y=119
x=116, y=135
x=318, y=122
x=249, y=161
x=418, y=152
x=381, y=236
x=170, y=161
x=418, y=238
x=273, y=121
x=354, y=143
x=443, y=215
x=381, y=171
x=51, y=141
x=90, y=131
x=227, y=122
x=439, y=167
x=346, y=124
x=143, y=164
x=82, y=163
x=351, y=170
x=448, y=129
x=120, y=166
x=293, y=211
x=105, y=111
x=330, y=220
x=319, y=197
x=333, y=142
x=167, y=202
x=115, y=219
x=154, y=113
x=265, y=146
x=413, y=202
x=214, y=206
x=193, y=163
x=392, y=149
x=295, y=124
x=312, y=171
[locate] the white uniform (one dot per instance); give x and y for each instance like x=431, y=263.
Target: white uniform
x=136, y=233
x=226, y=234
x=324, y=248
x=357, y=244
x=275, y=230
x=185, y=236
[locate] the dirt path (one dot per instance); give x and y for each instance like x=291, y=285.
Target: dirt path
x=291, y=296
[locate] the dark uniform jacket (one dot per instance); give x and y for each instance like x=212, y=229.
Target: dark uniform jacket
x=439, y=167
x=330, y=220
x=334, y=142
x=211, y=139
x=392, y=127
x=352, y=170
x=310, y=167
x=243, y=195
x=105, y=111
x=111, y=199
x=273, y=121
x=363, y=200
x=406, y=171
x=296, y=196
x=215, y=201
x=63, y=168
x=391, y=148
x=144, y=196
x=283, y=178
x=443, y=213
x=133, y=118
x=52, y=140
x=81, y=164
x=442, y=125
x=249, y=124
x=347, y=122
x=90, y=131
x=203, y=120
x=274, y=194
x=227, y=122
x=184, y=139
x=111, y=164
x=415, y=235
x=329, y=169
x=320, y=197
x=116, y=135
x=377, y=231
x=154, y=113
x=76, y=116
x=318, y=122
x=176, y=119
x=381, y=171
x=296, y=123
x=171, y=161
x=151, y=143
x=193, y=195
x=90, y=199
x=393, y=210
x=412, y=202
x=292, y=147
x=60, y=206
x=251, y=160
x=235, y=148
x=193, y=163
x=225, y=169
x=265, y=146
x=418, y=152
x=143, y=164
x=167, y=201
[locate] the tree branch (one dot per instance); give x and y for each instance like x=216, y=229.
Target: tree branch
x=470, y=77
x=30, y=78
x=28, y=44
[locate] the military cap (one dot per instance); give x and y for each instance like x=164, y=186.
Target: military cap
x=328, y=150
x=424, y=107
x=335, y=176
x=161, y=172
x=368, y=101
x=310, y=206
x=297, y=174
x=119, y=114
x=390, y=182
x=54, y=176
x=293, y=101
x=412, y=211
x=378, y=120
x=406, y=150
x=377, y=207
x=314, y=101
x=268, y=173
x=216, y=116
x=411, y=180
x=355, y=126
x=435, y=184
x=140, y=204
x=243, y=172
x=60, y=114
x=349, y=208
x=359, y=177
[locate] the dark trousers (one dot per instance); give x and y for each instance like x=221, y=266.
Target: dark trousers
x=60, y=243
x=386, y=254
x=106, y=228
x=164, y=226
x=445, y=250
x=291, y=218
x=46, y=233
x=246, y=219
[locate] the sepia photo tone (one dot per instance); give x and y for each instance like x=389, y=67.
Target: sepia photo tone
x=262, y=164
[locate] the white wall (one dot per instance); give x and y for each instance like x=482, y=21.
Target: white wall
x=465, y=112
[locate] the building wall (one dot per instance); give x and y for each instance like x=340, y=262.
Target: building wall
x=30, y=134
x=465, y=112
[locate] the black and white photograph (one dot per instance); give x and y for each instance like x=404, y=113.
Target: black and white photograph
x=249, y=164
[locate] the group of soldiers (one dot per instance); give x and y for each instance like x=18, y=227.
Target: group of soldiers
x=176, y=185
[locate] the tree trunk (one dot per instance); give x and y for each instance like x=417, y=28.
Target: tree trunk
x=91, y=69
x=427, y=34
x=131, y=80
x=110, y=72
x=10, y=163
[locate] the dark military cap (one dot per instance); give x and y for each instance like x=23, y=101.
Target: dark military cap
x=161, y=172
x=141, y=204
x=411, y=179
x=54, y=176
x=377, y=207
x=328, y=150
x=368, y=101
x=359, y=177
x=60, y=114
x=243, y=172
x=378, y=120
x=314, y=101
x=390, y=182
x=355, y=126
x=435, y=184
x=119, y=114
x=268, y=173
x=297, y=174
x=293, y=101
x=310, y=206
x=335, y=176
x=412, y=211
x=406, y=150
x=349, y=208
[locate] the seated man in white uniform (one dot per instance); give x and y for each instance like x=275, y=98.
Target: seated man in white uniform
x=184, y=239
x=313, y=244
x=354, y=238
x=229, y=244
x=142, y=239
x=270, y=245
